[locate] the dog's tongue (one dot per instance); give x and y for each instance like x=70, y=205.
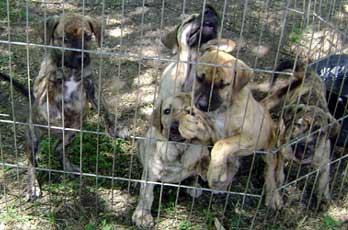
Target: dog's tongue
x=299, y=153
x=175, y=135
x=193, y=39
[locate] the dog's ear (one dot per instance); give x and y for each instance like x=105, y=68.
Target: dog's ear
x=226, y=45
x=242, y=75
x=170, y=41
x=51, y=24
x=156, y=116
x=95, y=25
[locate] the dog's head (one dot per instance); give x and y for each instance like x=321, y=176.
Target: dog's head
x=193, y=32
x=72, y=31
x=167, y=115
x=219, y=76
x=306, y=125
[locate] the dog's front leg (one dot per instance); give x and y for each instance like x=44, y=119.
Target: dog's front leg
x=273, y=198
x=224, y=160
x=109, y=118
x=322, y=159
x=142, y=215
x=58, y=148
x=223, y=166
x=34, y=190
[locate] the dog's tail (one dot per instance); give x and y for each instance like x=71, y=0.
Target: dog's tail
x=19, y=86
x=299, y=73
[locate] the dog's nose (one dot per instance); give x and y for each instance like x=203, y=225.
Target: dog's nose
x=203, y=103
x=79, y=58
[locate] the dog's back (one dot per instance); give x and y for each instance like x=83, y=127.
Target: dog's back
x=306, y=87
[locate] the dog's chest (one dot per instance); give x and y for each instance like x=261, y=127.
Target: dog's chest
x=220, y=123
x=70, y=89
x=66, y=96
x=225, y=125
x=74, y=96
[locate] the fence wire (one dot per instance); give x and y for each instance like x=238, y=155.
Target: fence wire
x=127, y=69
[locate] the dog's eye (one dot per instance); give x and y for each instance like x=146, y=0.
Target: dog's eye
x=166, y=111
x=65, y=39
x=200, y=78
x=88, y=36
x=223, y=84
x=298, y=124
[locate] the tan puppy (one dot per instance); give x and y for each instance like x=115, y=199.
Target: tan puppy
x=166, y=156
x=241, y=125
x=302, y=106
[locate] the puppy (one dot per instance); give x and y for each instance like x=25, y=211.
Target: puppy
x=185, y=40
x=302, y=107
x=63, y=89
x=241, y=125
x=166, y=156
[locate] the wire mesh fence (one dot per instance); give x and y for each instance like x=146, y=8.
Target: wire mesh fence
x=100, y=189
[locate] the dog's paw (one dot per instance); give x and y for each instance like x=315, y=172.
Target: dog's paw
x=195, y=193
x=188, y=126
x=220, y=174
x=110, y=125
x=33, y=193
x=114, y=131
x=142, y=218
x=274, y=200
x=111, y=129
x=123, y=133
x=70, y=167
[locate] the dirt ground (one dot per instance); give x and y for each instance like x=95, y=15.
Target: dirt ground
x=130, y=67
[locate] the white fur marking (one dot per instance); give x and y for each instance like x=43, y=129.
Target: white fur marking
x=71, y=86
x=220, y=125
x=184, y=34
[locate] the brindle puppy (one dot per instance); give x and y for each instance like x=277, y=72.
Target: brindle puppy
x=63, y=88
x=302, y=107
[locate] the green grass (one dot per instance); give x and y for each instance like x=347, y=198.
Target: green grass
x=296, y=34
x=96, y=151
x=17, y=11
x=185, y=225
x=331, y=224
x=11, y=214
x=210, y=218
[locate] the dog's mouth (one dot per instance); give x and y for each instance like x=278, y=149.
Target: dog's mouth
x=76, y=61
x=303, y=151
x=207, y=31
x=205, y=104
x=174, y=134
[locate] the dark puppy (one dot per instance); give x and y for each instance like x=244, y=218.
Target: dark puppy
x=63, y=88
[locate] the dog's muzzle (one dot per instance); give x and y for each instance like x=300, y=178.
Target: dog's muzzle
x=76, y=60
x=174, y=134
x=202, y=33
x=205, y=104
x=304, y=151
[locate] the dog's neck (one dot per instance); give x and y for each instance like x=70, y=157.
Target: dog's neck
x=77, y=74
x=50, y=66
x=188, y=56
